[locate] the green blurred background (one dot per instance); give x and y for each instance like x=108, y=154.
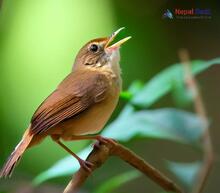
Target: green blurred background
x=39, y=40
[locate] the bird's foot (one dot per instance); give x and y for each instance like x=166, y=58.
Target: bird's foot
x=86, y=165
x=104, y=140
x=96, y=145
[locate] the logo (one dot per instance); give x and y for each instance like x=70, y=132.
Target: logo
x=193, y=13
x=168, y=14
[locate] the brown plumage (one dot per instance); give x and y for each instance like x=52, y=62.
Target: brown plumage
x=81, y=104
x=16, y=154
x=79, y=91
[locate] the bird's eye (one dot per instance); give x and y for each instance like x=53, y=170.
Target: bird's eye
x=94, y=48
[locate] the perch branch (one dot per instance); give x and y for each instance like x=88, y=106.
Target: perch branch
x=98, y=156
x=201, y=112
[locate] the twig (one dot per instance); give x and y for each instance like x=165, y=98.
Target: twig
x=98, y=156
x=201, y=112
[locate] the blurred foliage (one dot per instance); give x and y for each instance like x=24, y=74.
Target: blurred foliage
x=163, y=83
x=185, y=172
x=167, y=123
x=117, y=181
x=133, y=123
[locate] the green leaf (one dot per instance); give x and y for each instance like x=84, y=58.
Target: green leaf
x=167, y=123
x=66, y=166
x=181, y=95
x=162, y=83
x=171, y=124
x=134, y=88
x=117, y=181
x=126, y=95
x=185, y=172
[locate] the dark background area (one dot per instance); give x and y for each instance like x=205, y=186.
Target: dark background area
x=38, y=43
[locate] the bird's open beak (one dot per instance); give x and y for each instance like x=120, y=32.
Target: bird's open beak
x=117, y=44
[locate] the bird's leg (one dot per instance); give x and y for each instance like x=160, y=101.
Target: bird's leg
x=84, y=164
x=99, y=139
x=94, y=137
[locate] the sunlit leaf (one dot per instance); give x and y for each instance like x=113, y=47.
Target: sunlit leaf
x=162, y=83
x=185, y=172
x=117, y=181
x=134, y=88
x=66, y=166
x=168, y=123
x=181, y=95
x=125, y=95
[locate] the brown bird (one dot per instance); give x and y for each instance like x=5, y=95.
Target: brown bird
x=81, y=104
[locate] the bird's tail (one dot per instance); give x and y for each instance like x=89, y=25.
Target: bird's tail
x=16, y=154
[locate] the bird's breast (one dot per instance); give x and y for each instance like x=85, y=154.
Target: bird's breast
x=93, y=119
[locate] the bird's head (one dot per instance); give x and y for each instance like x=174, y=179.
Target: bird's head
x=99, y=52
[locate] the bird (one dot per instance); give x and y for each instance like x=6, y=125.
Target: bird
x=82, y=103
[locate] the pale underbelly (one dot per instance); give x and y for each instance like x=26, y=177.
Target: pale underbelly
x=90, y=121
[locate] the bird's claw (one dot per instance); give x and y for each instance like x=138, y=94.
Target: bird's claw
x=104, y=140
x=97, y=145
x=86, y=165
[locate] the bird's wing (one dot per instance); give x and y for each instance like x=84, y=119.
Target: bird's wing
x=78, y=92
